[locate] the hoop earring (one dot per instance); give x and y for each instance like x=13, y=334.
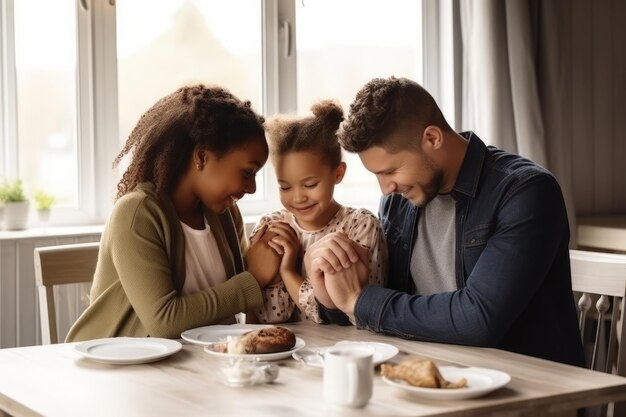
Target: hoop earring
x=198, y=166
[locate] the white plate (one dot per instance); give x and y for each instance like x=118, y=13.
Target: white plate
x=314, y=357
x=260, y=356
x=128, y=350
x=480, y=381
x=210, y=334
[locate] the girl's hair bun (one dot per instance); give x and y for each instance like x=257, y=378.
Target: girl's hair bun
x=329, y=110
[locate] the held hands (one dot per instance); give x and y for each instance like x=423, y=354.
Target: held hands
x=337, y=269
x=262, y=260
x=286, y=243
x=344, y=287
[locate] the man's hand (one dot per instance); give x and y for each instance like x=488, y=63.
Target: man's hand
x=344, y=287
x=330, y=254
x=333, y=257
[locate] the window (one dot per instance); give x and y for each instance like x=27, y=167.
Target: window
x=70, y=98
x=45, y=73
x=361, y=40
x=186, y=42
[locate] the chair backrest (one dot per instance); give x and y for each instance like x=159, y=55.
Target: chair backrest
x=602, y=275
x=60, y=265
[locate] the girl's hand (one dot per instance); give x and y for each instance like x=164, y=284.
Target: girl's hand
x=286, y=243
x=262, y=260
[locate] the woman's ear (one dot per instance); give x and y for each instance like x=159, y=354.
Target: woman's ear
x=201, y=157
x=198, y=158
x=340, y=171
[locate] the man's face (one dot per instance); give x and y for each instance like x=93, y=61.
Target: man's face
x=410, y=172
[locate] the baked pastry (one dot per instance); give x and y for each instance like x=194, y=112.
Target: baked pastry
x=270, y=339
x=419, y=373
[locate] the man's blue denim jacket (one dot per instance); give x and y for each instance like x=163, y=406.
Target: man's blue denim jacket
x=511, y=260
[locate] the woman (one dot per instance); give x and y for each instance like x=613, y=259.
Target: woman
x=172, y=252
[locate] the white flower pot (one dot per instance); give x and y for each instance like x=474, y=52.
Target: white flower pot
x=43, y=215
x=16, y=215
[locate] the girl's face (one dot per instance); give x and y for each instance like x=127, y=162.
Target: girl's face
x=221, y=181
x=306, y=187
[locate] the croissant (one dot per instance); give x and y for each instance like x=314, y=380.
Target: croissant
x=420, y=373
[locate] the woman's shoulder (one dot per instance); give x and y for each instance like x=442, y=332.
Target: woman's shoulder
x=142, y=201
x=139, y=196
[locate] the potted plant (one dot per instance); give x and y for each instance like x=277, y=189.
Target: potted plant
x=43, y=203
x=15, y=205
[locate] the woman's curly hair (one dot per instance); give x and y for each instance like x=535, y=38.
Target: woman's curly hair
x=163, y=140
x=383, y=107
x=317, y=133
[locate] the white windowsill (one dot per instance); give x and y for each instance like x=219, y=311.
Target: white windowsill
x=38, y=232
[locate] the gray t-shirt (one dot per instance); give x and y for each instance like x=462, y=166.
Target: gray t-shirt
x=432, y=260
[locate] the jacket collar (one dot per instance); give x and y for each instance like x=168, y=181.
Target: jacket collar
x=469, y=174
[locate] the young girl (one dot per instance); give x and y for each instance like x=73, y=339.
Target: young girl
x=307, y=159
x=171, y=255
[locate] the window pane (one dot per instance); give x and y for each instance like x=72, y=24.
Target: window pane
x=360, y=40
x=186, y=42
x=45, y=59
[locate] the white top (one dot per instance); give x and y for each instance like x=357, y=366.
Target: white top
x=203, y=262
x=432, y=261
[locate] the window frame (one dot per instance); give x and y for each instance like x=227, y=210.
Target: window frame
x=97, y=109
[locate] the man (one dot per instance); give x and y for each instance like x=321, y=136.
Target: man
x=478, y=237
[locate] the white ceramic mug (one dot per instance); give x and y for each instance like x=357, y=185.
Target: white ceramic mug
x=348, y=376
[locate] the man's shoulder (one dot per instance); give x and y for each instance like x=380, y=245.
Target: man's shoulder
x=507, y=166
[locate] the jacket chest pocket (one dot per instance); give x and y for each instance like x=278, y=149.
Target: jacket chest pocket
x=474, y=242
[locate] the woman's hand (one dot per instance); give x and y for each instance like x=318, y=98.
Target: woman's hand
x=263, y=261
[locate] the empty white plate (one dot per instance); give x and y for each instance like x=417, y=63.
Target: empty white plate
x=314, y=357
x=480, y=381
x=128, y=350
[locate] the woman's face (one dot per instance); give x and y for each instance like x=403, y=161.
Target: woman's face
x=221, y=181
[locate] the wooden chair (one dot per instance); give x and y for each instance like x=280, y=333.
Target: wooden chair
x=60, y=265
x=602, y=277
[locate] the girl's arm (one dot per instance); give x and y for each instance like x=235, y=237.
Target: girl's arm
x=287, y=244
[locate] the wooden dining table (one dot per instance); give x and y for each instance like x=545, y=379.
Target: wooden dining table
x=55, y=380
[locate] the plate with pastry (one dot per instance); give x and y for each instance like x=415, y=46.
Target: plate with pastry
x=381, y=352
x=267, y=343
x=207, y=335
x=423, y=379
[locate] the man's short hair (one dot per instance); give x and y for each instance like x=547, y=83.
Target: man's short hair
x=383, y=107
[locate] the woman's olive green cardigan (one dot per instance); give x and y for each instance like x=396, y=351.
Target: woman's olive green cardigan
x=141, y=271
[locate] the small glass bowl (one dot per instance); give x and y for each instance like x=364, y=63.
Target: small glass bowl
x=243, y=372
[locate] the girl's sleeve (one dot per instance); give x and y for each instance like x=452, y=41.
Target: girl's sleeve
x=366, y=231
x=308, y=304
x=277, y=305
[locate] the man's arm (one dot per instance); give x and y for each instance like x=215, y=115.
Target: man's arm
x=530, y=228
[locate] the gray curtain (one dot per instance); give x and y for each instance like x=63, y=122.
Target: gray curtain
x=505, y=97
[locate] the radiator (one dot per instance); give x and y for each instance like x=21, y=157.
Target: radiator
x=19, y=304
